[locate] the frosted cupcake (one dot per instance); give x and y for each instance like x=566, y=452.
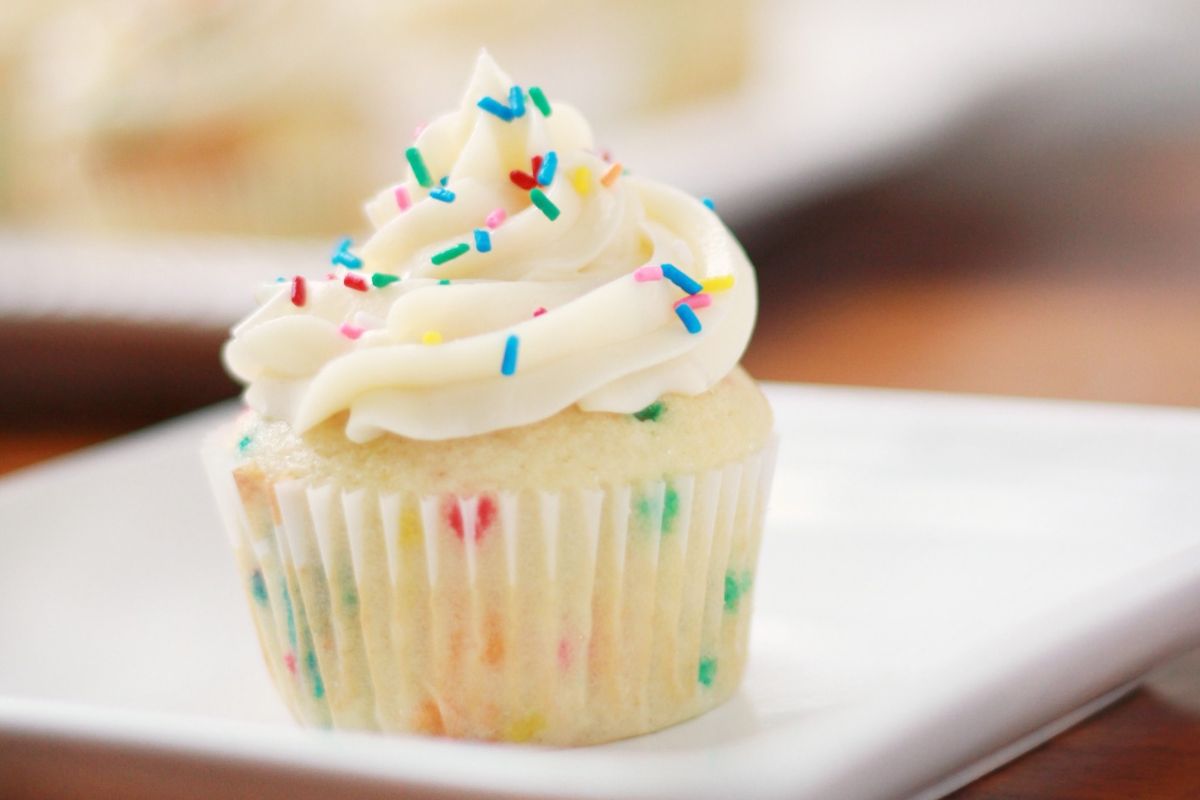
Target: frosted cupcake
x=501, y=477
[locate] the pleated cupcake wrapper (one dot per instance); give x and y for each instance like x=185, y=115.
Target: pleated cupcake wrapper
x=561, y=617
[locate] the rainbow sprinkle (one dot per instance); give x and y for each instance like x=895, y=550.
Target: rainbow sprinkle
x=649, y=272
x=539, y=199
x=403, y=201
x=681, y=279
x=509, y=365
x=695, y=301
x=516, y=101
x=611, y=174
x=581, y=179
x=350, y=331
x=545, y=175
x=443, y=194
x=450, y=253
x=495, y=218
x=522, y=179
x=420, y=171
x=496, y=108
x=382, y=279
x=539, y=99
x=431, y=337
x=343, y=256
x=706, y=673
x=483, y=242
x=689, y=318
x=299, y=291
x=355, y=282
x=720, y=283
x=650, y=413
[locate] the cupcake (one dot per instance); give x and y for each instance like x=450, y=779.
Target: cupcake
x=500, y=476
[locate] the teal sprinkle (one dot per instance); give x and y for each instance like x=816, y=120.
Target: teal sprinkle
x=258, y=587
x=314, y=674
x=707, y=672
x=244, y=443
x=288, y=612
x=350, y=597
x=444, y=282
x=646, y=508
x=670, y=508
x=650, y=413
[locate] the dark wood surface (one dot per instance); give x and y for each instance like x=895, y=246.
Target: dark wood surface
x=1078, y=277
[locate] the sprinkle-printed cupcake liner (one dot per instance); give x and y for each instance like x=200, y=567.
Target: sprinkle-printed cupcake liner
x=569, y=617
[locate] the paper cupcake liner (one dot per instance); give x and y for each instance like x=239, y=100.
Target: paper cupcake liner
x=564, y=617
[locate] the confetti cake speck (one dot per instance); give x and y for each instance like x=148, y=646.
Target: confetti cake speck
x=499, y=476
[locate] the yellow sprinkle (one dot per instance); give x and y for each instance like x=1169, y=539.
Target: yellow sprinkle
x=717, y=284
x=431, y=337
x=526, y=728
x=611, y=175
x=581, y=179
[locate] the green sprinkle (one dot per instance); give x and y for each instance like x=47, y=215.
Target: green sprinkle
x=670, y=508
x=650, y=413
x=420, y=171
x=708, y=671
x=381, y=279
x=544, y=203
x=450, y=254
x=733, y=592
x=539, y=99
x=258, y=587
x=244, y=443
x=444, y=282
x=647, y=509
x=314, y=674
x=288, y=612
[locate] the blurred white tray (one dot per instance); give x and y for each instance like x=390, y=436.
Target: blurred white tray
x=946, y=582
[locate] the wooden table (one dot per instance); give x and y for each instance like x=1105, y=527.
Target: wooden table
x=1083, y=281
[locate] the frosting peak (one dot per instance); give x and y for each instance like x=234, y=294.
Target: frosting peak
x=511, y=274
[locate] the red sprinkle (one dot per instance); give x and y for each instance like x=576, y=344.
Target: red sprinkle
x=299, y=291
x=355, y=282
x=485, y=515
x=536, y=163
x=522, y=180
x=537, y=312
x=289, y=661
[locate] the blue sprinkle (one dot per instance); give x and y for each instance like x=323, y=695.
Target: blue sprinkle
x=443, y=194
x=343, y=256
x=549, y=164
x=509, y=365
x=708, y=201
x=280, y=279
x=681, y=279
x=516, y=101
x=483, y=241
x=494, y=106
x=689, y=318
x=289, y=613
x=445, y=179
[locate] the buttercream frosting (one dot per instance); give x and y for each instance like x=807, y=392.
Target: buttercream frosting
x=529, y=316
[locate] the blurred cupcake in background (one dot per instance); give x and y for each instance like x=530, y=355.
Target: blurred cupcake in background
x=272, y=118
x=192, y=116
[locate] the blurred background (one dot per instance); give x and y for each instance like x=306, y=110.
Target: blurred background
x=998, y=197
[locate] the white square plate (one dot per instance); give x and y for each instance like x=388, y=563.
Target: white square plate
x=945, y=582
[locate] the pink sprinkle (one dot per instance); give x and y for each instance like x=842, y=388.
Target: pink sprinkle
x=648, y=273
x=695, y=301
x=289, y=661
x=564, y=653
x=402, y=198
x=537, y=312
x=495, y=218
x=351, y=331
x=417, y=131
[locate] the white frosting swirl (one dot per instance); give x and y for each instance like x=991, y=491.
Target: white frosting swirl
x=606, y=341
